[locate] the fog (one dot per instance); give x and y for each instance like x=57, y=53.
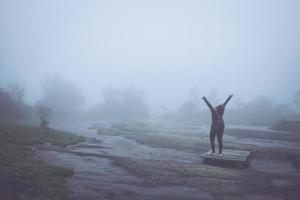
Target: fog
x=163, y=50
x=124, y=99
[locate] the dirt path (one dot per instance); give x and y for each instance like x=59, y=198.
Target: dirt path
x=151, y=161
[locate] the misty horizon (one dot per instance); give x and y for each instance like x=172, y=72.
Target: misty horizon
x=165, y=49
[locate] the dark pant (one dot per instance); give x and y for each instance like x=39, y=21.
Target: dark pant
x=219, y=134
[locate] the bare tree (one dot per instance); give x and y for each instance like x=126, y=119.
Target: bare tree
x=64, y=99
x=43, y=112
x=11, y=105
x=16, y=91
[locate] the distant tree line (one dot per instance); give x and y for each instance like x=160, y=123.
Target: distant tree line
x=259, y=111
x=12, y=107
x=62, y=101
x=123, y=104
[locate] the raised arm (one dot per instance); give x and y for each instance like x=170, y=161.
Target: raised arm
x=208, y=104
x=227, y=100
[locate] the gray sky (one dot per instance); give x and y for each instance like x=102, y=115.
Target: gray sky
x=166, y=48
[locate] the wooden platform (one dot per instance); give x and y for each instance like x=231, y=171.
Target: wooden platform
x=229, y=158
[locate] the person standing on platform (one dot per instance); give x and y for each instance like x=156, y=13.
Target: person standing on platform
x=217, y=125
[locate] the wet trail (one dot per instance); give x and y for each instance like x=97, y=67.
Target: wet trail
x=96, y=177
x=134, y=161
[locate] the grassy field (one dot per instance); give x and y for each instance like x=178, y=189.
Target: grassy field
x=23, y=177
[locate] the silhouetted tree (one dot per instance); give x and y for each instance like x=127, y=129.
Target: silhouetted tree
x=126, y=103
x=190, y=108
x=16, y=91
x=10, y=109
x=261, y=111
x=43, y=112
x=64, y=99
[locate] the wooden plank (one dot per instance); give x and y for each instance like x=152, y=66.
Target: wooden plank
x=229, y=158
x=229, y=155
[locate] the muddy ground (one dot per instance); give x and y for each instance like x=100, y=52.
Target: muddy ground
x=157, y=159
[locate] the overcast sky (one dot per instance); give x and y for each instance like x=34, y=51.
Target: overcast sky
x=166, y=48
